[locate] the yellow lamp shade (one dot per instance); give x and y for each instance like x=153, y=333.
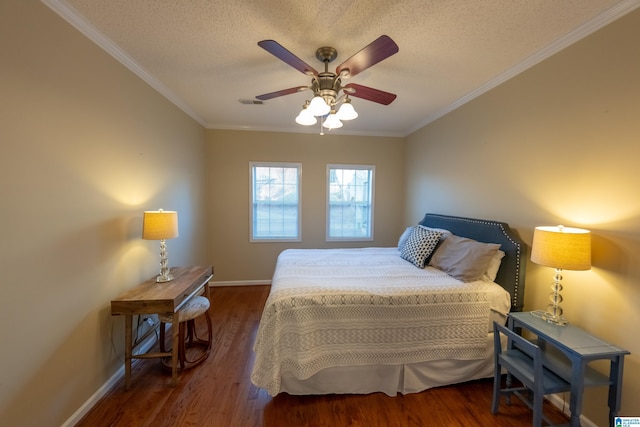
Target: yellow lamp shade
x=562, y=247
x=158, y=225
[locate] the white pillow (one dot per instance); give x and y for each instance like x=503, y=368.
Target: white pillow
x=494, y=266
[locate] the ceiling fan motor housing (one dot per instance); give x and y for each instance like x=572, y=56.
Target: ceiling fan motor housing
x=327, y=85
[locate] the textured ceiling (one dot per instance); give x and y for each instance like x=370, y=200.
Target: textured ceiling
x=203, y=54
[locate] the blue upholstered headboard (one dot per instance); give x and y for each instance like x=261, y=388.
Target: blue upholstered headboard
x=512, y=269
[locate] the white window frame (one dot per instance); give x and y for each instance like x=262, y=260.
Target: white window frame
x=372, y=170
x=252, y=166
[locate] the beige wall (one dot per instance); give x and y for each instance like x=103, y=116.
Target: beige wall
x=85, y=147
x=558, y=144
x=228, y=157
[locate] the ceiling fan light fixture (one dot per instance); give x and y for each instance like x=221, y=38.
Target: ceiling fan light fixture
x=327, y=85
x=346, y=111
x=318, y=106
x=305, y=118
x=332, y=121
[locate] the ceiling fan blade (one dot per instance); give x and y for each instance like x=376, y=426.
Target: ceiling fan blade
x=378, y=50
x=277, y=50
x=370, y=94
x=281, y=93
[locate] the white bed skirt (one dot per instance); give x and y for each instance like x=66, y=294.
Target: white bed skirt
x=392, y=379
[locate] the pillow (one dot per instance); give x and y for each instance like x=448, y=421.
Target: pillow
x=463, y=258
x=444, y=232
x=419, y=245
x=494, y=266
x=404, y=237
x=407, y=232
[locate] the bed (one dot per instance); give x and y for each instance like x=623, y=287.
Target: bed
x=393, y=320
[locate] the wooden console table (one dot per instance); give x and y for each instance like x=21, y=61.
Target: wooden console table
x=150, y=297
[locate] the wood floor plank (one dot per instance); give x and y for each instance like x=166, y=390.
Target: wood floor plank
x=219, y=392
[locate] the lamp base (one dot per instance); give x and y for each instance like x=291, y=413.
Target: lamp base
x=554, y=313
x=550, y=318
x=164, y=278
x=165, y=272
x=558, y=320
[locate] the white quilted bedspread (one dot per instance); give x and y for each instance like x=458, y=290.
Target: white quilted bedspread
x=343, y=307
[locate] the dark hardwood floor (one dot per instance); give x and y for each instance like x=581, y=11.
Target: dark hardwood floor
x=219, y=392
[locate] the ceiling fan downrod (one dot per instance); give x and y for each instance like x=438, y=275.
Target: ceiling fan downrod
x=327, y=84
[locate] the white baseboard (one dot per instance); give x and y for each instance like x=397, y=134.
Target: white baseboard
x=214, y=284
x=144, y=347
x=560, y=402
x=556, y=399
x=107, y=386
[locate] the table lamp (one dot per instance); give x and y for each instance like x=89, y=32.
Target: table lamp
x=161, y=225
x=562, y=248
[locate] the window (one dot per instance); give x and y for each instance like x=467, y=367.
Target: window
x=275, y=201
x=350, y=202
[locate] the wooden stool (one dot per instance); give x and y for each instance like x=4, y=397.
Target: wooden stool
x=187, y=335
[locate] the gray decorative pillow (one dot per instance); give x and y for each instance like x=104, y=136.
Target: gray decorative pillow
x=419, y=246
x=463, y=258
x=403, y=238
x=445, y=233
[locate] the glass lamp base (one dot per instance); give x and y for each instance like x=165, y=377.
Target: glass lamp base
x=554, y=313
x=164, y=278
x=550, y=318
x=165, y=271
x=558, y=320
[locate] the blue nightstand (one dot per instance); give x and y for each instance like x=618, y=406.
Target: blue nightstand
x=576, y=349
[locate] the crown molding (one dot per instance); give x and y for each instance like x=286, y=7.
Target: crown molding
x=551, y=49
x=73, y=17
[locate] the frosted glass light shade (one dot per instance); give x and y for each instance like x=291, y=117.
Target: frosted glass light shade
x=318, y=106
x=158, y=225
x=562, y=247
x=346, y=111
x=332, y=121
x=305, y=118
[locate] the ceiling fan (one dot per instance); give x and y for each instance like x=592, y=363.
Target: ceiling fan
x=326, y=85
